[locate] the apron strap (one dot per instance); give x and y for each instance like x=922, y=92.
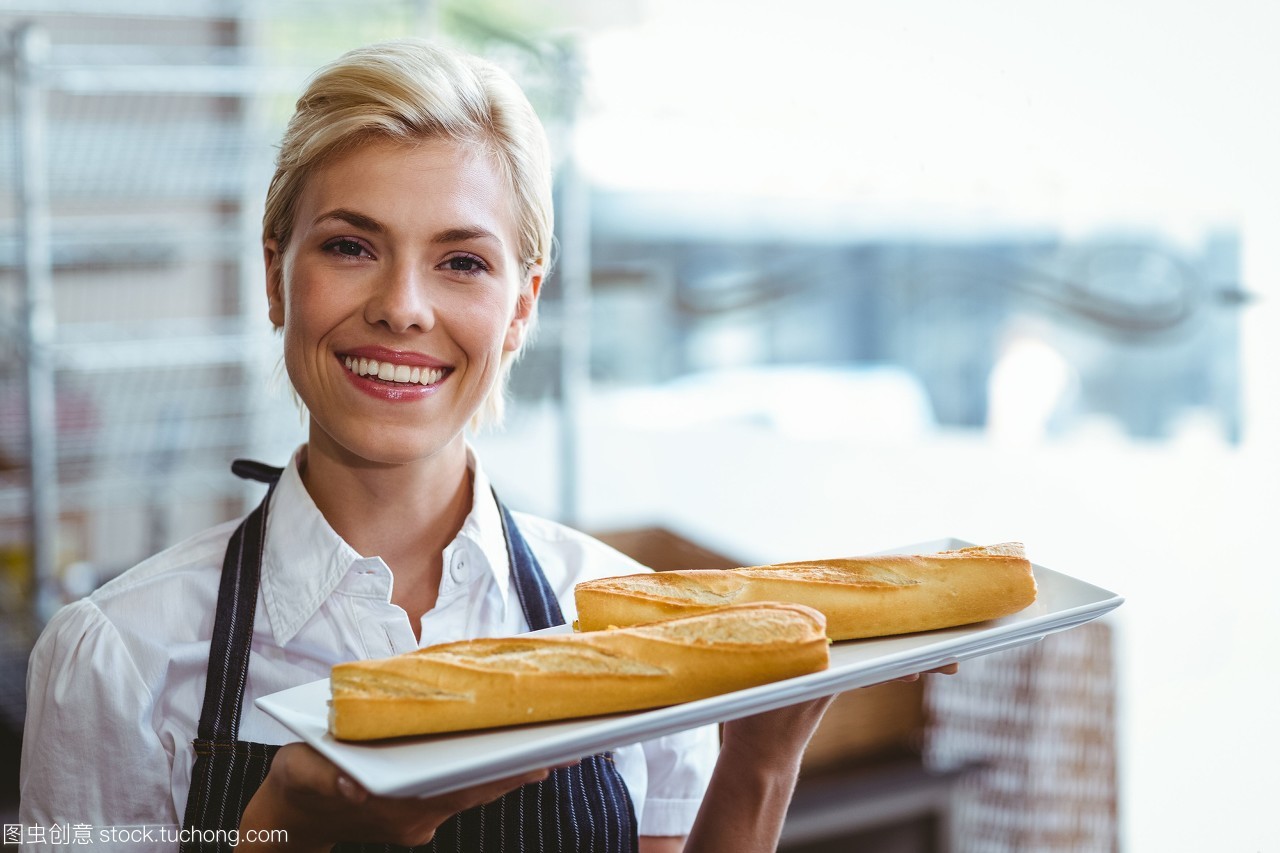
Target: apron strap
x=537, y=598
x=248, y=469
x=233, y=620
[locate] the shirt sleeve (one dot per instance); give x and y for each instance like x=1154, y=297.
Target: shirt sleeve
x=680, y=767
x=91, y=762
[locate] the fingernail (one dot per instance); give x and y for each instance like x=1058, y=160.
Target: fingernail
x=350, y=790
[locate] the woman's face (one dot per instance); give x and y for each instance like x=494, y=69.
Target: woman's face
x=399, y=292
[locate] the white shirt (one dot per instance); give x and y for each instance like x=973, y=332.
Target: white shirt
x=116, y=681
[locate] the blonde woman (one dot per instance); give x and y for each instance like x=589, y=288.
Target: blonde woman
x=407, y=234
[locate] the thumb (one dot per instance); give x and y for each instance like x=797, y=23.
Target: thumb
x=349, y=790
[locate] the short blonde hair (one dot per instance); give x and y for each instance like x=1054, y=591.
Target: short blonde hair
x=409, y=90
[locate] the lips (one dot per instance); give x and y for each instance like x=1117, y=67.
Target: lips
x=392, y=368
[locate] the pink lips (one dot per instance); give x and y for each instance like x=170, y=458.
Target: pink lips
x=389, y=391
x=381, y=354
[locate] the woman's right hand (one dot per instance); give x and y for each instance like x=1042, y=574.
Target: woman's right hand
x=317, y=805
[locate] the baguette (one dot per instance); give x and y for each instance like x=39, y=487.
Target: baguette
x=477, y=684
x=860, y=596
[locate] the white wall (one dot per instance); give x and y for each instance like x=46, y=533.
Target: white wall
x=985, y=115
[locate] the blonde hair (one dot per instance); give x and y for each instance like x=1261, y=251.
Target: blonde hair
x=409, y=90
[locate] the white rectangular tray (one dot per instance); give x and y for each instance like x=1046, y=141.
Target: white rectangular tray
x=437, y=764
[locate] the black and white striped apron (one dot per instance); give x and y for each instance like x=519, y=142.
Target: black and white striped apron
x=584, y=808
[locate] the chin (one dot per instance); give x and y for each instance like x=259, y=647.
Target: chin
x=383, y=446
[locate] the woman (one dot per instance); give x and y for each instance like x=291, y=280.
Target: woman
x=406, y=236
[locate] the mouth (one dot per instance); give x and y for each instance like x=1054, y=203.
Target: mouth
x=394, y=374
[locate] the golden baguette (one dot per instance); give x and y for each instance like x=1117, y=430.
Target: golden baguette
x=477, y=684
x=860, y=596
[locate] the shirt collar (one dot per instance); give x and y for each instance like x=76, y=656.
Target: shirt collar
x=483, y=528
x=304, y=559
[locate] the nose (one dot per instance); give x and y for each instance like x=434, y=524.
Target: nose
x=401, y=300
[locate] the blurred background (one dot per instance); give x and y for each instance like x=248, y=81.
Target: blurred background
x=834, y=278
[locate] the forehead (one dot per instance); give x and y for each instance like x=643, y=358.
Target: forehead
x=432, y=184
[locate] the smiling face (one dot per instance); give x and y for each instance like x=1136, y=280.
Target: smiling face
x=399, y=291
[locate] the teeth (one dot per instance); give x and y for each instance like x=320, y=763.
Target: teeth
x=401, y=373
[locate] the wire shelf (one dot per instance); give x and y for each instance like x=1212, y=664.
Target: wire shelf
x=152, y=157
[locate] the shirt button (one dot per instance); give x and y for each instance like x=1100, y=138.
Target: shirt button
x=458, y=569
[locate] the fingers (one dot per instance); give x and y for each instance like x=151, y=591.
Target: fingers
x=786, y=728
x=332, y=805
x=350, y=790
x=949, y=669
x=303, y=770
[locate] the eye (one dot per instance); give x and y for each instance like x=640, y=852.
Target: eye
x=466, y=264
x=347, y=247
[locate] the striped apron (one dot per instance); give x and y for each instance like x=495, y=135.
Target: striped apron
x=584, y=808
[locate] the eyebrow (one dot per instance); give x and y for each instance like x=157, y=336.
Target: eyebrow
x=461, y=235
x=449, y=235
x=359, y=220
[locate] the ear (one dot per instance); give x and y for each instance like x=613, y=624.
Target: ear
x=526, y=309
x=273, y=260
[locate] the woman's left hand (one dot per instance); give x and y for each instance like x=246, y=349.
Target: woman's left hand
x=759, y=763
x=787, y=731
x=776, y=738
x=747, y=800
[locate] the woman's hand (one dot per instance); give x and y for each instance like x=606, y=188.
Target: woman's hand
x=755, y=774
x=317, y=805
x=775, y=739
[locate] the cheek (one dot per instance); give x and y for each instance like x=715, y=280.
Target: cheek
x=310, y=315
x=482, y=324
x=297, y=356
x=295, y=330
x=312, y=308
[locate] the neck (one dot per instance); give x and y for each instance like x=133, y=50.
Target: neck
x=404, y=513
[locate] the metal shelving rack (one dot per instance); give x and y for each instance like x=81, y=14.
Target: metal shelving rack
x=137, y=353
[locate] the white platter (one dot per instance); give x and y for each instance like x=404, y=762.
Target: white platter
x=437, y=764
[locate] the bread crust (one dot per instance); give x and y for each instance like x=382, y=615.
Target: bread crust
x=497, y=682
x=860, y=596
